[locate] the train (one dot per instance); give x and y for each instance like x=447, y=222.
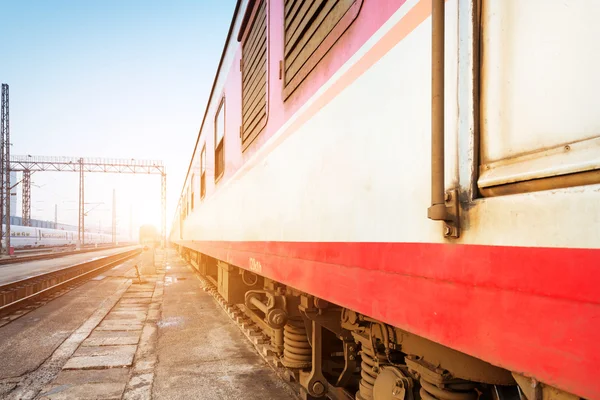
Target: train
x=149, y=236
x=26, y=237
x=404, y=195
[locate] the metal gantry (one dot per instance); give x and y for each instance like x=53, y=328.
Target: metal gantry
x=81, y=210
x=5, y=169
x=163, y=205
x=84, y=165
x=114, y=217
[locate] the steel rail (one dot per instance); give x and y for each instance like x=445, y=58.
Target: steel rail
x=16, y=294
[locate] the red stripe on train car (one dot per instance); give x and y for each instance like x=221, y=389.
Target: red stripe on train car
x=531, y=310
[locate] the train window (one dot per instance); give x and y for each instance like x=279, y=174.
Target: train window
x=193, y=185
x=311, y=28
x=219, y=139
x=254, y=74
x=203, y=172
x=188, y=200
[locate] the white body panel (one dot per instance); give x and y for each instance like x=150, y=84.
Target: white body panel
x=540, y=75
x=359, y=170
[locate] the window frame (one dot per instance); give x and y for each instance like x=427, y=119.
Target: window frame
x=187, y=201
x=321, y=50
x=203, y=172
x=192, y=187
x=221, y=143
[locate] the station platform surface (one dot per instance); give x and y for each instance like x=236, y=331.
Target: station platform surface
x=25, y=269
x=121, y=337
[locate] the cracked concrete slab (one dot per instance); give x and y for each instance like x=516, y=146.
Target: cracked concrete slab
x=99, y=362
x=131, y=308
x=83, y=376
x=134, y=295
x=91, y=351
x=136, y=301
x=112, y=338
x=126, y=315
x=126, y=326
x=85, y=391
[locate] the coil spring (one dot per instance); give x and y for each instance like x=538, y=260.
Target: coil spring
x=297, y=352
x=369, y=369
x=454, y=391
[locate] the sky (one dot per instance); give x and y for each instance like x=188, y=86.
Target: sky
x=109, y=78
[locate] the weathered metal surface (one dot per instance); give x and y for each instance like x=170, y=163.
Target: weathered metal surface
x=537, y=81
x=567, y=165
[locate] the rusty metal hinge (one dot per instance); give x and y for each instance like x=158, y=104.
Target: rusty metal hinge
x=452, y=223
x=280, y=69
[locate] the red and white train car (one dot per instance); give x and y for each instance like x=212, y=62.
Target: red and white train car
x=322, y=149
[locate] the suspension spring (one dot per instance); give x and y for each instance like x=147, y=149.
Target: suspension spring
x=451, y=391
x=297, y=352
x=369, y=369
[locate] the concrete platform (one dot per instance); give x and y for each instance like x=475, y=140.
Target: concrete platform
x=162, y=338
x=201, y=353
x=21, y=270
x=89, y=384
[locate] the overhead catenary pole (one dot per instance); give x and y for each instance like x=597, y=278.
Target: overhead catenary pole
x=3, y=122
x=26, y=197
x=6, y=164
x=81, y=224
x=114, y=217
x=56, y=216
x=163, y=203
x=131, y=222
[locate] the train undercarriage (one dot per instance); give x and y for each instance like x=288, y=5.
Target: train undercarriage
x=336, y=353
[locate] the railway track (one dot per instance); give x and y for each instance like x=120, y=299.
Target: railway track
x=58, y=249
x=18, y=294
x=34, y=255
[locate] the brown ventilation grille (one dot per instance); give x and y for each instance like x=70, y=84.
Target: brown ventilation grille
x=220, y=131
x=193, y=193
x=254, y=77
x=311, y=28
x=203, y=172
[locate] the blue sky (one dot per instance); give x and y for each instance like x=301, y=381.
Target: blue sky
x=109, y=78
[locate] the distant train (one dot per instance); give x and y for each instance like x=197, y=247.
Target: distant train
x=25, y=237
x=149, y=235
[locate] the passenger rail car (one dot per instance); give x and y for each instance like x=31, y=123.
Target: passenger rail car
x=405, y=194
x=25, y=237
